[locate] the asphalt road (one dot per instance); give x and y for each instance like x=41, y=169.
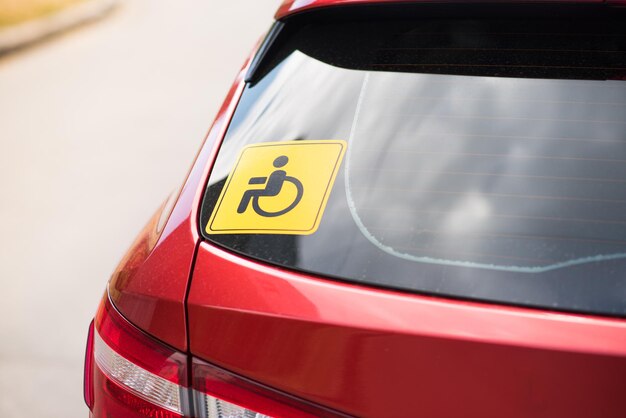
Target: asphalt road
x=97, y=127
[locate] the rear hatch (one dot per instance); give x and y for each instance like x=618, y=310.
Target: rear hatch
x=421, y=211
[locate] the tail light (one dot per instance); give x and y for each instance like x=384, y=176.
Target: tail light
x=220, y=394
x=88, y=376
x=129, y=374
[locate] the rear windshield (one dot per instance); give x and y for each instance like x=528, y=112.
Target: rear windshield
x=477, y=157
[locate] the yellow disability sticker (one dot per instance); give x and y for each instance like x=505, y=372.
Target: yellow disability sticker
x=278, y=188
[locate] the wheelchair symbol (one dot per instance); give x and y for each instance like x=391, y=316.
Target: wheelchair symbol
x=273, y=186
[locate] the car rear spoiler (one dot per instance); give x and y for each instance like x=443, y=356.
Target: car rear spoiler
x=290, y=7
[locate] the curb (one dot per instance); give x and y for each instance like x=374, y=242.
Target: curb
x=27, y=33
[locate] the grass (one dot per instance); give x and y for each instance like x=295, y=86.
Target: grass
x=17, y=11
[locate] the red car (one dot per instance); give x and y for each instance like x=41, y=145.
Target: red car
x=403, y=209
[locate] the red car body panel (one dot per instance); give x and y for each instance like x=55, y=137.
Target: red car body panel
x=150, y=284
x=372, y=352
x=290, y=7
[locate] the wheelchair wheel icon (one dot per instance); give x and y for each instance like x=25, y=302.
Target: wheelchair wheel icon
x=273, y=186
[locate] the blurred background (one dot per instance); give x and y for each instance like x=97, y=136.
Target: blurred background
x=97, y=126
